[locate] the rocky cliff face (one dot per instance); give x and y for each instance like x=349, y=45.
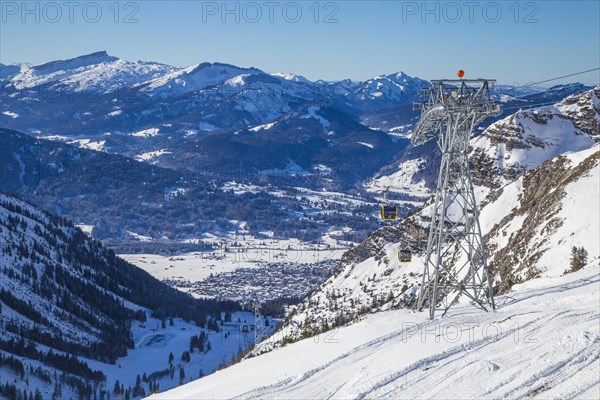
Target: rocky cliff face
x=535, y=237
x=527, y=138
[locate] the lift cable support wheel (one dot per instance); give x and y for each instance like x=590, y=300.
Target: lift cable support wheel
x=455, y=261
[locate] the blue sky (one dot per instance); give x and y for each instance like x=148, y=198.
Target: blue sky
x=512, y=41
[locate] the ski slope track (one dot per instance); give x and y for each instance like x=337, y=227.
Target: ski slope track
x=542, y=342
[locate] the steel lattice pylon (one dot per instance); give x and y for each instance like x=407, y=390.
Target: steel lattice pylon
x=455, y=261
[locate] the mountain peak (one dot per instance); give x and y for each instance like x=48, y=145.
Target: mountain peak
x=399, y=76
x=291, y=77
x=77, y=62
x=224, y=68
x=101, y=53
x=402, y=77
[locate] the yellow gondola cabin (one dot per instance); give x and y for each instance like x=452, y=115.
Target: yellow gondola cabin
x=389, y=213
x=404, y=255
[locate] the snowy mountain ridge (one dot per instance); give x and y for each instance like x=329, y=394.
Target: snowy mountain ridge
x=92, y=72
x=398, y=86
x=108, y=94
x=536, y=237
x=87, y=73
x=194, y=78
x=527, y=138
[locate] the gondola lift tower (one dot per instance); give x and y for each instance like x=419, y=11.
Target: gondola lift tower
x=452, y=110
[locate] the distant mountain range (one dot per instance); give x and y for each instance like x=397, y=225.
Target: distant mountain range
x=206, y=126
x=97, y=93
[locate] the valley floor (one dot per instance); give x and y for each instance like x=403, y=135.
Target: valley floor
x=542, y=341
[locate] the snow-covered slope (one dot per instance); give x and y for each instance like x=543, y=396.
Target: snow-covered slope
x=93, y=72
x=584, y=111
x=533, y=223
x=71, y=312
x=196, y=77
x=542, y=342
x=527, y=138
